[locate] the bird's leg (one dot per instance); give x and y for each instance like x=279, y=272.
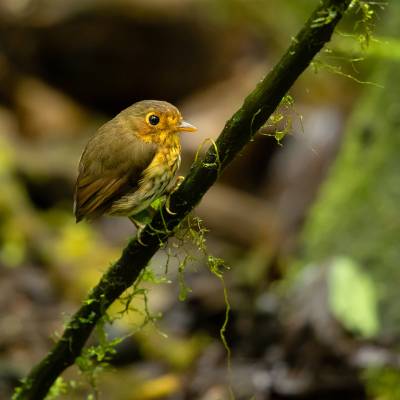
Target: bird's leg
x=139, y=226
x=140, y=220
x=178, y=183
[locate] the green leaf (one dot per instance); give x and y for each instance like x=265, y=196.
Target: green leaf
x=352, y=297
x=157, y=203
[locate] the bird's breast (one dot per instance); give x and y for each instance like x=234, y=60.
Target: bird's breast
x=156, y=180
x=169, y=158
x=165, y=162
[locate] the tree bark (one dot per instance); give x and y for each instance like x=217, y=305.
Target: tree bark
x=239, y=129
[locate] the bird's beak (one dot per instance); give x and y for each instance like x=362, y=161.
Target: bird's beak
x=186, y=127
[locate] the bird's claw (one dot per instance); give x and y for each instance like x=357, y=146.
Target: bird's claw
x=139, y=238
x=178, y=183
x=167, y=206
x=139, y=227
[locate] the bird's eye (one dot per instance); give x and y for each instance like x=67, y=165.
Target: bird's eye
x=153, y=119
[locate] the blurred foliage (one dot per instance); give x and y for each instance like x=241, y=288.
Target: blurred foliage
x=381, y=47
x=352, y=297
x=157, y=388
x=356, y=214
x=18, y=221
x=178, y=353
x=75, y=248
x=382, y=383
x=267, y=18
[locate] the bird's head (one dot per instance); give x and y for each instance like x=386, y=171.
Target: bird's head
x=157, y=121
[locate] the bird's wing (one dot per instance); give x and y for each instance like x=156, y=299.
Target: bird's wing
x=110, y=167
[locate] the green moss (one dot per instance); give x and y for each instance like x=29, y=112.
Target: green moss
x=281, y=121
x=196, y=234
x=341, y=57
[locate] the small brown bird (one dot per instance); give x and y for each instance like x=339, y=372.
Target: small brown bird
x=130, y=161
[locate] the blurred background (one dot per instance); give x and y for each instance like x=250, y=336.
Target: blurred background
x=308, y=225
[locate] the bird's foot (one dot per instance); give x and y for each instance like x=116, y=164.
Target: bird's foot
x=178, y=183
x=167, y=206
x=140, y=227
x=139, y=237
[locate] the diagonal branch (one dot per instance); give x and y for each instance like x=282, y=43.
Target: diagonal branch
x=239, y=129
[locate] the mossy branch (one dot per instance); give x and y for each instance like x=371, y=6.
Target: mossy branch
x=239, y=129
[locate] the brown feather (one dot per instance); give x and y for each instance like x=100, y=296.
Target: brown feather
x=111, y=166
x=94, y=199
